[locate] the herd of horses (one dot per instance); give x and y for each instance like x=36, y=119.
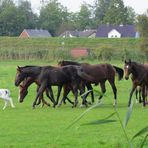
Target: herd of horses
x=76, y=77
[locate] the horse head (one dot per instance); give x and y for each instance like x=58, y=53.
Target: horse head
x=22, y=93
x=127, y=68
x=61, y=63
x=20, y=75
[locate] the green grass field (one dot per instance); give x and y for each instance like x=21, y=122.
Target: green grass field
x=23, y=127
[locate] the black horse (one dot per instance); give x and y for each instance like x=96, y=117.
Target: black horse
x=100, y=73
x=31, y=74
x=50, y=76
x=23, y=91
x=139, y=77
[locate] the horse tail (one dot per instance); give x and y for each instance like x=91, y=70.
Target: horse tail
x=119, y=71
x=85, y=76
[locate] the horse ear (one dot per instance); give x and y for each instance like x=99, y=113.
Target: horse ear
x=125, y=61
x=19, y=68
x=129, y=60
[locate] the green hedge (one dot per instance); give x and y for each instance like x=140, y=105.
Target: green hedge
x=59, y=48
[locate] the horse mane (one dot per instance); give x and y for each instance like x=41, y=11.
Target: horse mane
x=137, y=64
x=69, y=62
x=29, y=66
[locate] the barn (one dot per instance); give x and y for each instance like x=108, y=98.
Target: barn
x=34, y=33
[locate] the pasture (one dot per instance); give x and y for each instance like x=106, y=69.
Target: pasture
x=23, y=127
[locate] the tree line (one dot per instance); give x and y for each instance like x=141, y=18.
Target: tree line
x=56, y=18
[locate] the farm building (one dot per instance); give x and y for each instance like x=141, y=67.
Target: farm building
x=34, y=33
x=79, y=52
x=70, y=34
x=117, y=31
x=88, y=33
x=85, y=33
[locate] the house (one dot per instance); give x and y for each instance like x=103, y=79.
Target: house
x=117, y=31
x=85, y=33
x=70, y=34
x=79, y=52
x=88, y=33
x=34, y=33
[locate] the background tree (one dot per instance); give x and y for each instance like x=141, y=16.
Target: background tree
x=13, y=19
x=28, y=18
x=8, y=16
x=116, y=13
x=52, y=16
x=131, y=15
x=142, y=26
x=100, y=8
x=84, y=15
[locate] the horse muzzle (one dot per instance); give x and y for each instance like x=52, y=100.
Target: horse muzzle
x=16, y=84
x=126, y=78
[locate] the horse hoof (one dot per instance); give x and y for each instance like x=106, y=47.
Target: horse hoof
x=33, y=107
x=83, y=105
x=59, y=105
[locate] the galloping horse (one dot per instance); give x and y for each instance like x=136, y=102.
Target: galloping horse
x=100, y=73
x=139, y=77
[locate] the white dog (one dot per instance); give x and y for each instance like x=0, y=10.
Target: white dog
x=5, y=95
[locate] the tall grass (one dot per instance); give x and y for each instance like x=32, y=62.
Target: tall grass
x=122, y=124
x=59, y=48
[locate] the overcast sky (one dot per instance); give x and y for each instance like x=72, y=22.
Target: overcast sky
x=140, y=6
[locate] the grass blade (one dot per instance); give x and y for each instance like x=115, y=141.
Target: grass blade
x=142, y=144
x=79, y=117
x=128, y=114
x=141, y=132
x=101, y=121
x=85, y=93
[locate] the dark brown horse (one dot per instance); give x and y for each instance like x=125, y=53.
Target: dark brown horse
x=50, y=76
x=100, y=73
x=139, y=77
x=31, y=74
x=23, y=91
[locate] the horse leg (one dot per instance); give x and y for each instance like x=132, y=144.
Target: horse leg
x=58, y=95
x=75, y=89
x=143, y=95
x=69, y=101
x=39, y=100
x=89, y=87
x=103, y=90
x=39, y=93
x=114, y=91
x=51, y=96
x=131, y=93
x=136, y=93
x=65, y=93
x=82, y=90
x=140, y=100
x=43, y=101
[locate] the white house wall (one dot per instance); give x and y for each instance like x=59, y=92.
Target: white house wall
x=114, y=34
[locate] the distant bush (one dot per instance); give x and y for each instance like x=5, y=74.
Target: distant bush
x=53, y=49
